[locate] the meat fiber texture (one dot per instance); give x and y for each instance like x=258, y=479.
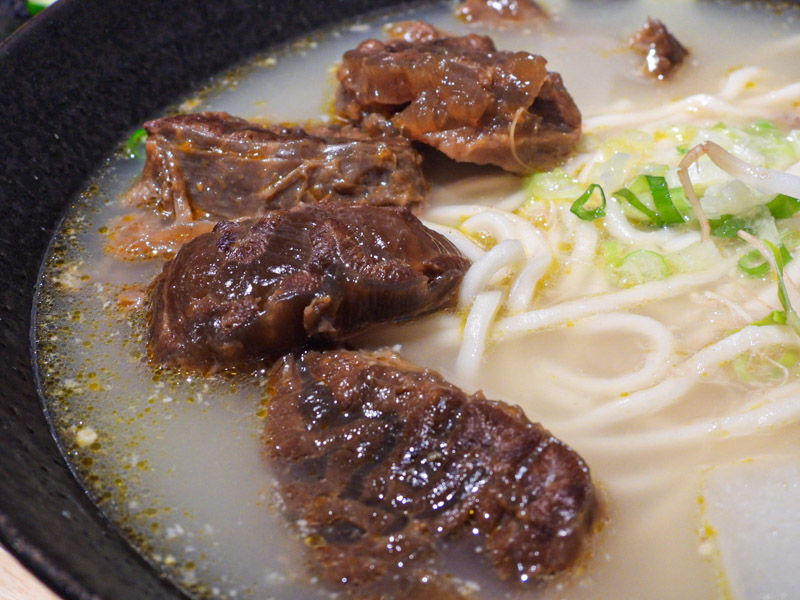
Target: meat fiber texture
x=250, y=291
x=379, y=461
x=224, y=167
x=464, y=97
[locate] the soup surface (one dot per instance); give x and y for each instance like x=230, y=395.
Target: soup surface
x=634, y=343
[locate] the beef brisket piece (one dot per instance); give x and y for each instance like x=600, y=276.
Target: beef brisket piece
x=501, y=13
x=378, y=460
x=663, y=52
x=464, y=97
x=227, y=168
x=250, y=291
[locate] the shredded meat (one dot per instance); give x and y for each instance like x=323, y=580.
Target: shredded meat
x=219, y=166
x=462, y=96
x=663, y=52
x=380, y=461
x=501, y=13
x=252, y=290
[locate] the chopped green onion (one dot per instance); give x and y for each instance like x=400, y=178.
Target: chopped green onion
x=135, y=145
x=37, y=6
x=585, y=214
x=756, y=265
x=728, y=226
x=777, y=259
x=783, y=206
x=661, y=198
x=640, y=266
x=776, y=317
x=665, y=213
x=630, y=197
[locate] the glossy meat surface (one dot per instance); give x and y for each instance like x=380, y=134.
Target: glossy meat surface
x=464, y=97
x=663, y=52
x=221, y=166
x=501, y=13
x=250, y=291
x=379, y=461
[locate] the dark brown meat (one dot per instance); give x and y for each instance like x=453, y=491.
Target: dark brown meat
x=227, y=168
x=250, y=291
x=464, y=97
x=379, y=460
x=501, y=13
x=663, y=52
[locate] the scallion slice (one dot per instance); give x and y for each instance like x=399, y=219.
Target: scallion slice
x=586, y=214
x=776, y=317
x=37, y=6
x=728, y=226
x=783, y=206
x=640, y=266
x=661, y=198
x=135, y=145
x=630, y=197
x=776, y=257
x=754, y=264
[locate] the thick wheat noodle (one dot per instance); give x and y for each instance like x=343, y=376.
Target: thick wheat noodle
x=786, y=95
x=476, y=333
x=581, y=259
x=453, y=215
x=572, y=310
x=670, y=391
x=773, y=409
x=619, y=228
x=524, y=286
x=656, y=362
x=462, y=243
x=698, y=105
x=737, y=82
x=505, y=254
x=513, y=202
x=491, y=222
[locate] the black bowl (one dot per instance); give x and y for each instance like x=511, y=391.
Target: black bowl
x=72, y=81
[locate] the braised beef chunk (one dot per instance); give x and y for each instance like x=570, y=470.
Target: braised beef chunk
x=664, y=53
x=378, y=460
x=250, y=291
x=464, y=97
x=224, y=166
x=501, y=13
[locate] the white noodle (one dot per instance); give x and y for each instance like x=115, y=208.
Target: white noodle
x=654, y=368
x=581, y=260
x=698, y=106
x=776, y=408
x=668, y=392
x=524, y=286
x=476, y=332
x=491, y=222
x=572, y=310
x=514, y=201
x=464, y=245
x=505, y=254
x=738, y=81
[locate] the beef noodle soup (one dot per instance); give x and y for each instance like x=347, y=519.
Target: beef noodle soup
x=666, y=357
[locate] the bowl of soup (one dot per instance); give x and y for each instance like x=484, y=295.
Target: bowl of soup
x=636, y=297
